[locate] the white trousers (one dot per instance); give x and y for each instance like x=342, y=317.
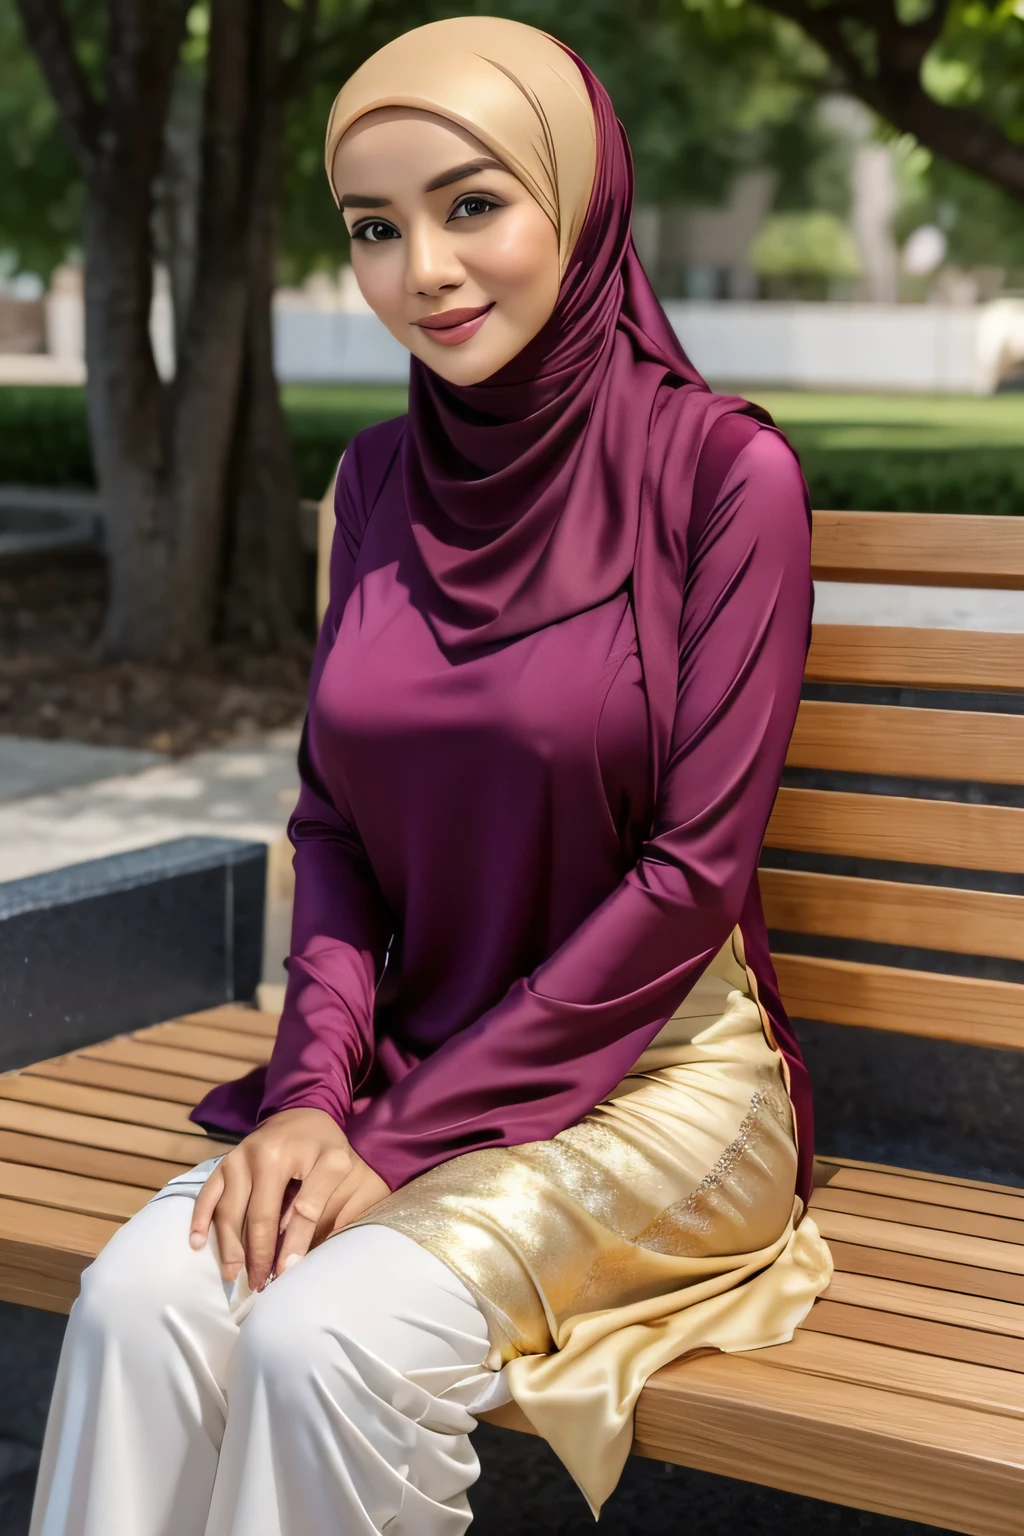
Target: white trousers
x=337, y=1401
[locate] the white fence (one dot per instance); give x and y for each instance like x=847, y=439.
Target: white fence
x=331, y=346
x=944, y=349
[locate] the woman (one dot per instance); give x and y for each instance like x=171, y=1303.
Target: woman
x=535, y=1122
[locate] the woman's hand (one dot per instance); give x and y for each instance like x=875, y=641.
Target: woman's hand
x=244, y=1196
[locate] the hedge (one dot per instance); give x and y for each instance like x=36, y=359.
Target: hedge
x=44, y=441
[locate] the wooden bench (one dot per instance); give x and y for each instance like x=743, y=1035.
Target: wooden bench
x=904, y=1390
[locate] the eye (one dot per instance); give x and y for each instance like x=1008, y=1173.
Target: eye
x=472, y=205
x=375, y=230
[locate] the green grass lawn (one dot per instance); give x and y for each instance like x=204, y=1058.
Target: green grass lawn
x=924, y=423
x=898, y=453
x=380, y=400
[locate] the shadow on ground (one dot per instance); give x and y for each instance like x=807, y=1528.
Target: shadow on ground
x=525, y=1491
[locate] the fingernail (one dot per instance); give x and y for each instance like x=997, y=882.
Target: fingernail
x=293, y=1258
x=196, y=1239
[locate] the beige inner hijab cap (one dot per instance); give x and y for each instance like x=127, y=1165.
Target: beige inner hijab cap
x=511, y=86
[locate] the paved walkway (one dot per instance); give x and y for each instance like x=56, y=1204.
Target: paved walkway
x=104, y=801
x=245, y=791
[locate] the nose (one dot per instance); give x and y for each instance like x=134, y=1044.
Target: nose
x=431, y=263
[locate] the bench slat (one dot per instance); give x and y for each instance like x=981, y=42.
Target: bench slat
x=90, y=1073
x=925, y=1242
x=891, y=912
x=918, y=1213
x=128, y=1107
x=824, y=1167
x=875, y=1181
x=903, y=1369
x=58, y=1230
x=919, y=549
x=44, y=1269
x=920, y=658
x=166, y=1058
x=928, y=1461
x=855, y=1258
x=1001, y=1318
x=914, y=743
x=245, y=1021
x=898, y=827
x=223, y=1042
x=70, y=1192
x=87, y=1130
x=924, y=1337
x=94, y=1162
x=941, y=1007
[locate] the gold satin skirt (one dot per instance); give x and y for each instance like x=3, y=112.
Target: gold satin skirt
x=663, y=1222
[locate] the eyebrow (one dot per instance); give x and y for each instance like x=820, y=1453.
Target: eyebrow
x=446, y=178
x=460, y=172
x=359, y=200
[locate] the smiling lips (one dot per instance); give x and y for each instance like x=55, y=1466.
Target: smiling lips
x=455, y=325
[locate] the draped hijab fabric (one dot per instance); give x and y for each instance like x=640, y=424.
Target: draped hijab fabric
x=570, y=473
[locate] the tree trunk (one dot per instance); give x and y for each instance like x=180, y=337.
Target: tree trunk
x=263, y=597
x=169, y=458
x=124, y=391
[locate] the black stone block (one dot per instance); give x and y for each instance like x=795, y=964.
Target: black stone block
x=935, y=1105
x=114, y=944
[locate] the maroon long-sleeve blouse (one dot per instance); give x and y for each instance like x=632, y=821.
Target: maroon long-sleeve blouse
x=490, y=911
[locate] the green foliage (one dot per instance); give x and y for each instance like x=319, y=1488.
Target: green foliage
x=44, y=437
x=810, y=244
x=868, y=452
x=40, y=189
x=702, y=95
x=979, y=62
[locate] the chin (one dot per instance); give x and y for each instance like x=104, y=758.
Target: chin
x=462, y=370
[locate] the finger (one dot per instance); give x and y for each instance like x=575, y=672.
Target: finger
x=271, y=1176
x=229, y=1217
x=355, y=1203
x=206, y=1204
x=315, y=1198
x=289, y=1203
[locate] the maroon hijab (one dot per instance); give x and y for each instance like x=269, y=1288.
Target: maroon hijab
x=543, y=490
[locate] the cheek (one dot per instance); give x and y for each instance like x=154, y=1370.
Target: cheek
x=520, y=261
x=379, y=275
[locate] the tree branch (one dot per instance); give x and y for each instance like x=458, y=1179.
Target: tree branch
x=49, y=37
x=893, y=89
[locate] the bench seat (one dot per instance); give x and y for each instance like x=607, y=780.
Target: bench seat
x=902, y=1393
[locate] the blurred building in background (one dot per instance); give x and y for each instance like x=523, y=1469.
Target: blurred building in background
x=842, y=276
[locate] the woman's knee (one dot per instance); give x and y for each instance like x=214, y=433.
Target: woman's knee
x=146, y=1266
x=366, y=1309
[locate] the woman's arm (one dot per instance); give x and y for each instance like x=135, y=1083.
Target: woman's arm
x=560, y=1039
x=341, y=923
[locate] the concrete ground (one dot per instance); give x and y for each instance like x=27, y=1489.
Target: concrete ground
x=62, y=803
x=100, y=800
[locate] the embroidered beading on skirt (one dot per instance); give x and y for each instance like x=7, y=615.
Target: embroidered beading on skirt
x=663, y=1222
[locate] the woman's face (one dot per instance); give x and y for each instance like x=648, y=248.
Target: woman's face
x=448, y=247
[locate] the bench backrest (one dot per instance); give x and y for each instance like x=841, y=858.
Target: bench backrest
x=893, y=865
x=891, y=870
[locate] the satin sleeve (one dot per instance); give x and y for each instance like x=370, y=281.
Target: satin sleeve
x=560, y=1039
x=341, y=924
